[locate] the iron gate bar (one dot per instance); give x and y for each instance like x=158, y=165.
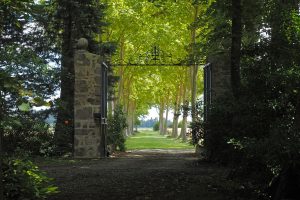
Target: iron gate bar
x=103, y=110
x=149, y=65
x=153, y=57
x=157, y=65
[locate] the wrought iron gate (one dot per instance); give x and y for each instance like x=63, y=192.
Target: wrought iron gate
x=103, y=122
x=153, y=57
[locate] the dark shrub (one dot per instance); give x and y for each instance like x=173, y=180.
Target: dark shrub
x=23, y=180
x=156, y=126
x=116, y=126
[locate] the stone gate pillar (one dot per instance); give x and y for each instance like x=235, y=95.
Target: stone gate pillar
x=217, y=81
x=220, y=76
x=87, y=101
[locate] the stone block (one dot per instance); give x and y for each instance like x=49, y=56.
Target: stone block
x=92, y=125
x=82, y=131
x=82, y=59
x=91, y=152
x=80, y=152
x=77, y=124
x=84, y=113
x=92, y=101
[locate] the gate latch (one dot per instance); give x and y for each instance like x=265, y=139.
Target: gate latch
x=104, y=121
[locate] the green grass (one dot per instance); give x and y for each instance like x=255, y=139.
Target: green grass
x=153, y=140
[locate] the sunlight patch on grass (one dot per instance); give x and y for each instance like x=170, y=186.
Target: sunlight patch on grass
x=152, y=140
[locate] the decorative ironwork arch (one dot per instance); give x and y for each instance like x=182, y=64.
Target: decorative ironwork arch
x=153, y=57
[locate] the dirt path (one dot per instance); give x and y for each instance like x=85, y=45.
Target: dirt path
x=143, y=174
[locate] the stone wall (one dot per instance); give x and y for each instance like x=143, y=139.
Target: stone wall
x=87, y=101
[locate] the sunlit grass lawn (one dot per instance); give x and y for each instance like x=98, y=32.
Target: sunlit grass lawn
x=153, y=140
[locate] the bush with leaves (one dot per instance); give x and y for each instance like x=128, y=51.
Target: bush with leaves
x=23, y=180
x=156, y=126
x=29, y=133
x=116, y=126
x=256, y=135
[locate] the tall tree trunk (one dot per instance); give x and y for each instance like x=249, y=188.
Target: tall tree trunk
x=130, y=118
x=64, y=129
x=133, y=116
x=236, y=44
x=184, y=128
x=185, y=99
x=176, y=112
x=1, y=145
x=184, y=113
x=121, y=71
x=194, y=67
x=127, y=103
x=175, y=121
x=194, y=91
x=166, y=120
x=161, y=116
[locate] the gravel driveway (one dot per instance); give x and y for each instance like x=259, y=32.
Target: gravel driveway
x=142, y=174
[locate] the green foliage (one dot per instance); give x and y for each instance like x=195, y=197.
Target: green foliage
x=137, y=122
x=23, y=180
x=87, y=21
x=156, y=126
x=180, y=124
x=165, y=24
x=252, y=135
x=29, y=133
x=115, y=128
x=26, y=80
x=258, y=132
x=197, y=126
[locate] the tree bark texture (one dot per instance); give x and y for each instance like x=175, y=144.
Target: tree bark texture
x=194, y=67
x=161, y=116
x=64, y=130
x=236, y=44
x=121, y=71
x=176, y=112
x=166, y=120
x=127, y=104
x=194, y=71
x=1, y=148
x=130, y=118
x=184, y=116
x=175, y=122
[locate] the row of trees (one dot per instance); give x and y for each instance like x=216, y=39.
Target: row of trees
x=137, y=26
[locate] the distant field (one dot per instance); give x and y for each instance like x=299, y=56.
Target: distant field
x=148, y=139
x=145, y=129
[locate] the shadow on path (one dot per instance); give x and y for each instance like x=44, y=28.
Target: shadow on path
x=139, y=174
